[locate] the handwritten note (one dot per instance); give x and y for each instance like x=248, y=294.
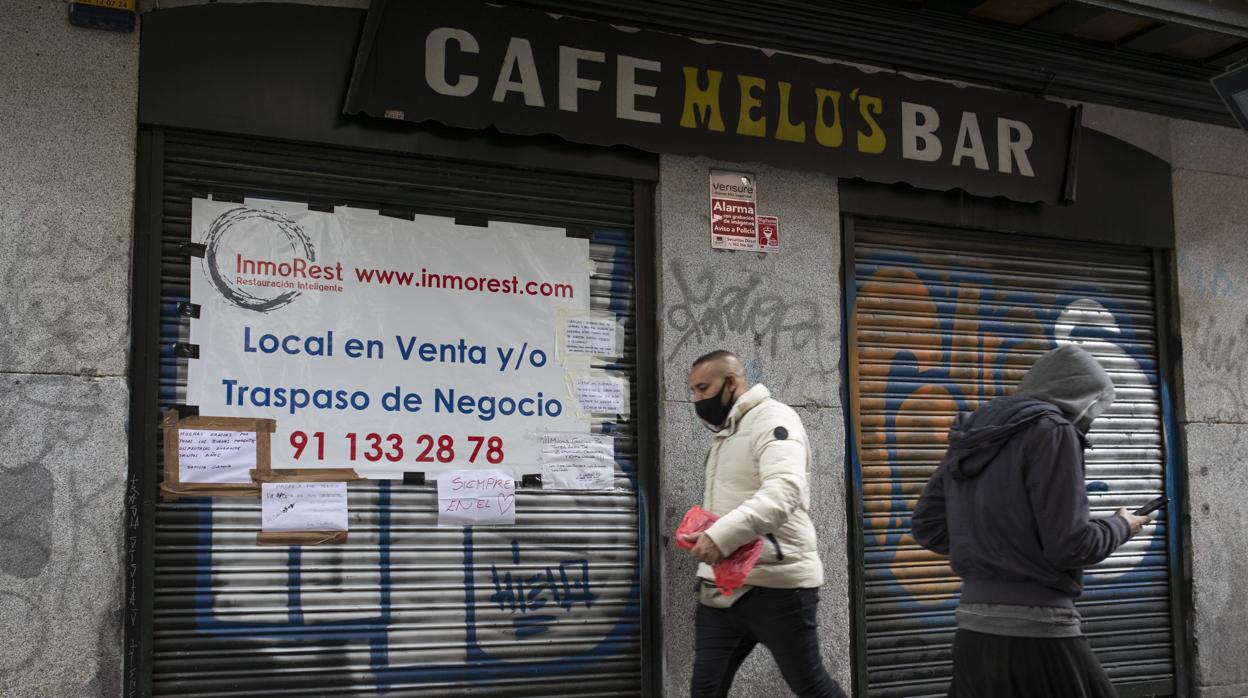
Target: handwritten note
x=211, y=456
x=578, y=462
x=303, y=506
x=600, y=394
x=476, y=498
x=590, y=337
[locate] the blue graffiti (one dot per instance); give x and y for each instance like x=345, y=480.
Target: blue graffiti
x=560, y=590
x=370, y=629
x=527, y=594
x=565, y=585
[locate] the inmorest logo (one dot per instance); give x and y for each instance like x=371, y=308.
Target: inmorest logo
x=261, y=260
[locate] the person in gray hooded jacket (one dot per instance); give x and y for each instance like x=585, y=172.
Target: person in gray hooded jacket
x=1008, y=504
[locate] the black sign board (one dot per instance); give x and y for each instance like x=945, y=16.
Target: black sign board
x=1232, y=87
x=472, y=65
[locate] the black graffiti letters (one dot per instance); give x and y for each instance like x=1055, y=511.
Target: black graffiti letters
x=707, y=310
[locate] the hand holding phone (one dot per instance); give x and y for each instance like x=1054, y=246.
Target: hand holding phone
x=1140, y=517
x=1152, y=506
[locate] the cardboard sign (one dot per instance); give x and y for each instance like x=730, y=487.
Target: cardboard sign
x=216, y=456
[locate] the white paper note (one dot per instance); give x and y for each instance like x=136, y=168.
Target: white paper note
x=590, y=337
x=600, y=394
x=578, y=462
x=484, y=497
x=212, y=456
x=303, y=506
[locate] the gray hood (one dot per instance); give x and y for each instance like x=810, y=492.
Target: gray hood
x=1070, y=378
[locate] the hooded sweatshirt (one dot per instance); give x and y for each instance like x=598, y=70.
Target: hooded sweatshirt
x=1008, y=502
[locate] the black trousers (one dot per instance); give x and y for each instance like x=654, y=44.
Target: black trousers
x=996, y=666
x=783, y=620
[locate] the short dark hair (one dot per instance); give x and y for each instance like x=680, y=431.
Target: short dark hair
x=714, y=356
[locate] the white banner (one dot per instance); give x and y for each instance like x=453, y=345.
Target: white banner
x=382, y=344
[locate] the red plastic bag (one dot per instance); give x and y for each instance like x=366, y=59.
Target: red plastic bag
x=731, y=573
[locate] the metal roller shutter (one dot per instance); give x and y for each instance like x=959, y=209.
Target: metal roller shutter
x=943, y=322
x=406, y=607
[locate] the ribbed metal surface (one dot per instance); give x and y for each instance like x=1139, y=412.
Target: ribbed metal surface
x=548, y=607
x=945, y=323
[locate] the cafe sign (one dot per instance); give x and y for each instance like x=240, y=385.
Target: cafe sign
x=472, y=65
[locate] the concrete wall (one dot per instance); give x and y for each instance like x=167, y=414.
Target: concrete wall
x=1211, y=225
x=67, y=106
x=782, y=314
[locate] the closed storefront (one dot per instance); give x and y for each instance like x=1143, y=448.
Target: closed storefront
x=429, y=253
x=403, y=601
x=946, y=320
x=948, y=302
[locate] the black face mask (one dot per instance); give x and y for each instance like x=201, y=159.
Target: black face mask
x=713, y=410
x=1084, y=425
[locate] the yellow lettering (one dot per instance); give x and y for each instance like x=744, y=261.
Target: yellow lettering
x=828, y=134
x=747, y=126
x=875, y=140
x=786, y=130
x=702, y=105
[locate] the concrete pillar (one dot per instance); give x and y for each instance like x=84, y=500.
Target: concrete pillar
x=68, y=107
x=1211, y=228
x=782, y=314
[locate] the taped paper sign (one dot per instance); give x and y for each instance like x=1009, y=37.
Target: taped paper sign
x=303, y=506
x=476, y=498
x=216, y=456
x=578, y=462
x=587, y=335
x=599, y=392
x=584, y=337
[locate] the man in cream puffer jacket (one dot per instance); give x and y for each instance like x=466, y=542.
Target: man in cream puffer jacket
x=757, y=476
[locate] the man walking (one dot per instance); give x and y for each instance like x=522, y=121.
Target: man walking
x=757, y=483
x=1008, y=505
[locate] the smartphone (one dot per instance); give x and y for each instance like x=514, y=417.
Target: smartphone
x=1152, y=506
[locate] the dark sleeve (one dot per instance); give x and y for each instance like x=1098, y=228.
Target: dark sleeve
x=1054, y=476
x=928, y=521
